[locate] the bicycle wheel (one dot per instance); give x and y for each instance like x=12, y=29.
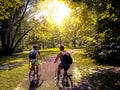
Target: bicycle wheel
x=67, y=82
x=56, y=77
x=31, y=75
x=58, y=80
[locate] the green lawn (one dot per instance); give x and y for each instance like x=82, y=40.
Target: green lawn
x=101, y=77
x=23, y=56
x=10, y=78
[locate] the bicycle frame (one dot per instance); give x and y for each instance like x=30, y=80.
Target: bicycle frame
x=63, y=77
x=33, y=73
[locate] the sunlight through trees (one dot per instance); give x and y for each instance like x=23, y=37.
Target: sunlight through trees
x=74, y=23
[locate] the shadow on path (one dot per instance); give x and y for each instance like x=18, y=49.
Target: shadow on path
x=35, y=84
x=102, y=79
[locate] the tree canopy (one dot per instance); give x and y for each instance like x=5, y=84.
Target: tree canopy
x=105, y=46
x=7, y=7
x=93, y=24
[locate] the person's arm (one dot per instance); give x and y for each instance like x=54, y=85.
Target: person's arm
x=38, y=55
x=58, y=56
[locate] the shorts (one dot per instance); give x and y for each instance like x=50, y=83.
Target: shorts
x=64, y=67
x=35, y=63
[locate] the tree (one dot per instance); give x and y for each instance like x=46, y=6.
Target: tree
x=79, y=25
x=46, y=34
x=108, y=30
x=11, y=32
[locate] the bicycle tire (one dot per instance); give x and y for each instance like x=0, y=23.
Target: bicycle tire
x=58, y=82
x=69, y=82
x=31, y=75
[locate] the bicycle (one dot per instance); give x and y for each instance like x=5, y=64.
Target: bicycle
x=64, y=80
x=33, y=76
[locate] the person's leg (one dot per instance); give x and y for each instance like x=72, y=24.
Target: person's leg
x=37, y=69
x=33, y=66
x=58, y=72
x=65, y=73
x=66, y=69
x=30, y=67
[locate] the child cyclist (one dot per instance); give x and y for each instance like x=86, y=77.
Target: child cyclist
x=34, y=55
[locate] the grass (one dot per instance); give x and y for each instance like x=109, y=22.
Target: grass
x=9, y=79
x=23, y=56
x=13, y=59
x=100, y=77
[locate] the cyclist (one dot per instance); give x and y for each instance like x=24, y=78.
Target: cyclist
x=34, y=55
x=62, y=65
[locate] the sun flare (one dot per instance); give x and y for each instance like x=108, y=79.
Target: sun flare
x=52, y=10
x=60, y=11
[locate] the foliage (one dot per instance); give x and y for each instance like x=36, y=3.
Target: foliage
x=108, y=26
x=13, y=29
x=80, y=23
x=45, y=34
x=7, y=7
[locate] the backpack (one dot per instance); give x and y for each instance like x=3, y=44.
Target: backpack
x=32, y=54
x=67, y=59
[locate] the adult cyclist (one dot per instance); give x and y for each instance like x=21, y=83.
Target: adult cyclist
x=34, y=55
x=62, y=65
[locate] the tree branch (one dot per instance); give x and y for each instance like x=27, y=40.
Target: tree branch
x=19, y=24
x=23, y=36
